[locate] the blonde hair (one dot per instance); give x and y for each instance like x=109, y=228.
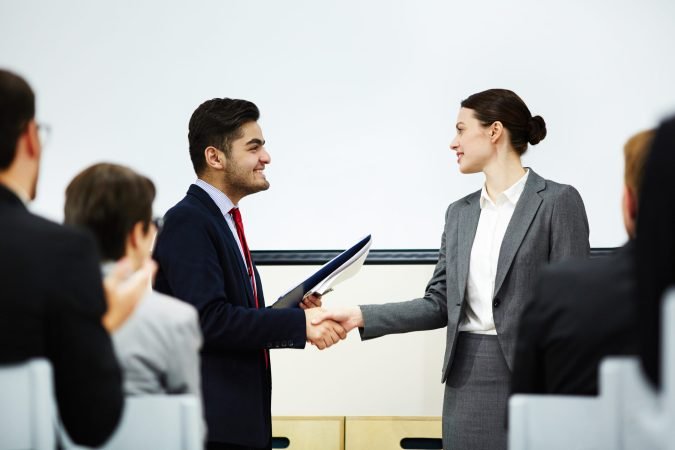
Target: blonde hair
x=635, y=154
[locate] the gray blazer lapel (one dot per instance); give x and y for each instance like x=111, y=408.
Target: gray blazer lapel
x=468, y=223
x=526, y=209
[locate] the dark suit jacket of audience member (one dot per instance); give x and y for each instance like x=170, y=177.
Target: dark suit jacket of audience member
x=656, y=244
x=582, y=311
x=51, y=305
x=200, y=262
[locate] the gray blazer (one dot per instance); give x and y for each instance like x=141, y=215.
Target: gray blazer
x=158, y=347
x=549, y=224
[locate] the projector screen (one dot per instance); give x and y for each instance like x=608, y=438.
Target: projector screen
x=358, y=99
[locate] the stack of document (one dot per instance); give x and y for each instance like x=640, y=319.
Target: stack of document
x=343, y=266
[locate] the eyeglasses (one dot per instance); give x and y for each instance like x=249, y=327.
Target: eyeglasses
x=44, y=133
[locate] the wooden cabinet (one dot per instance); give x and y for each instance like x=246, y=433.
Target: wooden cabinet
x=356, y=433
x=308, y=433
x=385, y=433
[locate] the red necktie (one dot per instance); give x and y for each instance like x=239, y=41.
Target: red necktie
x=239, y=225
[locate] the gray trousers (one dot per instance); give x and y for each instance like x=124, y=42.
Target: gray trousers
x=476, y=392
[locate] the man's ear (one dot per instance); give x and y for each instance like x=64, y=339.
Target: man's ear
x=630, y=210
x=33, y=145
x=214, y=158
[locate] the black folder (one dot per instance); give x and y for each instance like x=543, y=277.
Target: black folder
x=295, y=295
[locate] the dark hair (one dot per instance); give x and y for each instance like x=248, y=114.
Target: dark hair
x=655, y=246
x=108, y=200
x=17, y=108
x=217, y=123
x=502, y=105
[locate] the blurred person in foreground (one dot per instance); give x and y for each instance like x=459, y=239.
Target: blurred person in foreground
x=53, y=303
x=584, y=310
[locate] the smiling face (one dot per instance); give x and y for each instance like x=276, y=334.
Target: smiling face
x=472, y=143
x=245, y=165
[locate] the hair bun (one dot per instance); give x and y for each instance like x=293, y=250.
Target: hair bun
x=537, y=130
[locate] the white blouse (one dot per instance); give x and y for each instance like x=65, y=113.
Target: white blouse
x=494, y=219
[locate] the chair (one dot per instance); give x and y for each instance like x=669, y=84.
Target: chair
x=627, y=414
x=167, y=422
x=559, y=422
x=27, y=406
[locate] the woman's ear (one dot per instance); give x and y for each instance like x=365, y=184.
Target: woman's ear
x=496, y=131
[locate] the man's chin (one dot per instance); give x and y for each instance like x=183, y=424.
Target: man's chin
x=258, y=187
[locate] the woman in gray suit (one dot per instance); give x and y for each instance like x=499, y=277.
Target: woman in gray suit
x=494, y=244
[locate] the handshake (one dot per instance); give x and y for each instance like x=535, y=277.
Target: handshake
x=328, y=327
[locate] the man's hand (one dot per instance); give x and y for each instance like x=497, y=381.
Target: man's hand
x=349, y=317
x=123, y=291
x=325, y=333
x=313, y=300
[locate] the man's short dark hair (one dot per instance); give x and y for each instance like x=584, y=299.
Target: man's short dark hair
x=17, y=108
x=217, y=123
x=108, y=200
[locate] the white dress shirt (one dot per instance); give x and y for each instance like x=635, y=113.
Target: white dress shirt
x=494, y=219
x=225, y=205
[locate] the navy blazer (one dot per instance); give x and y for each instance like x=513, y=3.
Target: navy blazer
x=200, y=263
x=51, y=305
x=582, y=311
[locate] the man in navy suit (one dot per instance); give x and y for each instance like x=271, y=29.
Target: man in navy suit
x=204, y=259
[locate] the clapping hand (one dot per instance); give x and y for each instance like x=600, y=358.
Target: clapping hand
x=124, y=289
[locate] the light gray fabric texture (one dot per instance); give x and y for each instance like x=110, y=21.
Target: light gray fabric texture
x=476, y=393
x=158, y=347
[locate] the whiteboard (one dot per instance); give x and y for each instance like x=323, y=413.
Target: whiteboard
x=395, y=375
x=358, y=99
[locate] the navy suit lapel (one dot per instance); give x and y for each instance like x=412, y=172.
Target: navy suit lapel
x=233, y=247
x=526, y=209
x=10, y=198
x=468, y=223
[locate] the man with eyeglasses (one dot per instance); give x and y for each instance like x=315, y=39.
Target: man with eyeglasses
x=53, y=302
x=158, y=347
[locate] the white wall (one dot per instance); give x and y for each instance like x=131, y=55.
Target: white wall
x=397, y=375
x=358, y=98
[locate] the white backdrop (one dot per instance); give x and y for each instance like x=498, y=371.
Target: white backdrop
x=358, y=99
x=395, y=375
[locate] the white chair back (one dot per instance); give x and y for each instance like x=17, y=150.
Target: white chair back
x=167, y=422
x=555, y=422
x=27, y=406
x=628, y=413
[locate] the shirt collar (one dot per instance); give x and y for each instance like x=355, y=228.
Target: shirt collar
x=107, y=267
x=512, y=194
x=219, y=198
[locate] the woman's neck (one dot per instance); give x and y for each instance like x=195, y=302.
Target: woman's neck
x=503, y=173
